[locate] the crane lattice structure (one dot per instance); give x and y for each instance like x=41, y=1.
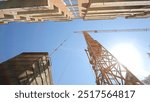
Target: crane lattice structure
x=107, y=69
x=116, y=30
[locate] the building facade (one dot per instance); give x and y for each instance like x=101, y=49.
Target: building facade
x=33, y=11
x=30, y=68
x=111, y=9
x=66, y=10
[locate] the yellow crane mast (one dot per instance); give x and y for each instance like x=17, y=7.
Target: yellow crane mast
x=107, y=69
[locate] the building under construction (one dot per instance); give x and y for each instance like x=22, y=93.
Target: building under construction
x=32, y=68
x=33, y=11
x=35, y=68
x=111, y=9
x=66, y=10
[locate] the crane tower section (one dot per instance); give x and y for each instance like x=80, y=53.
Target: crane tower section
x=107, y=69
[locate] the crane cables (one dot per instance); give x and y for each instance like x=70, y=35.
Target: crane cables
x=61, y=44
x=56, y=49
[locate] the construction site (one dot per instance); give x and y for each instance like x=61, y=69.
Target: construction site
x=67, y=10
x=27, y=69
x=48, y=42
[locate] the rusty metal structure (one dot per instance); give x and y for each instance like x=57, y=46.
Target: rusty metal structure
x=66, y=10
x=29, y=68
x=107, y=69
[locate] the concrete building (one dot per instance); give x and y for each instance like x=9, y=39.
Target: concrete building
x=32, y=68
x=66, y=10
x=33, y=11
x=110, y=9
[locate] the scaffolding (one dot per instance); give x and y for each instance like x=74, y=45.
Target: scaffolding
x=29, y=68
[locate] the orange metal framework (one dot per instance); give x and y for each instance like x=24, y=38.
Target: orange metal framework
x=107, y=69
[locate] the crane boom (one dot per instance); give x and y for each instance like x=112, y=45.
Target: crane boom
x=117, y=30
x=107, y=69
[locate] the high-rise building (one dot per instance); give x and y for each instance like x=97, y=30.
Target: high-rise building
x=33, y=11
x=66, y=10
x=29, y=68
x=111, y=9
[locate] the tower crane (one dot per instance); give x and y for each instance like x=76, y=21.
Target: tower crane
x=108, y=70
x=116, y=30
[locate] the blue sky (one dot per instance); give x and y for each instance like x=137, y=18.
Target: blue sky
x=70, y=64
